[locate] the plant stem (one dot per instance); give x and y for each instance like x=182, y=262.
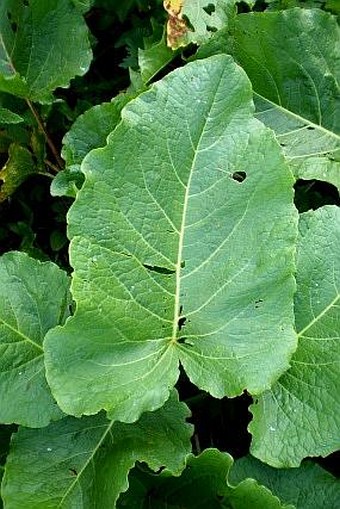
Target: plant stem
x=52, y=166
x=50, y=143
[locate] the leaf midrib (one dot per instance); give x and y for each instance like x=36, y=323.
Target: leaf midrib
x=86, y=464
x=299, y=117
x=184, y=216
x=319, y=316
x=23, y=336
x=7, y=54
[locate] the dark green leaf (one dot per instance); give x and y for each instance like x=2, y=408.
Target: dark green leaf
x=306, y=487
x=84, y=463
x=8, y=117
x=42, y=46
x=203, y=484
x=33, y=299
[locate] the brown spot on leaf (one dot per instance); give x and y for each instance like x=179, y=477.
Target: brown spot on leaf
x=176, y=25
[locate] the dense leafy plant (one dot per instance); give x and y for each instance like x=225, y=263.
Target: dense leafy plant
x=195, y=147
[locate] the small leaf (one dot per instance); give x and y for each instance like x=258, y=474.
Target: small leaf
x=203, y=484
x=300, y=416
x=83, y=463
x=165, y=270
x=8, y=117
x=89, y=131
x=33, y=299
x=18, y=167
x=42, y=46
x=306, y=487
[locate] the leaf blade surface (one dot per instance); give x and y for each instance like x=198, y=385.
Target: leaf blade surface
x=299, y=417
x=158, y=270
x=42, y=46
x=85, y=462
x=34, y=298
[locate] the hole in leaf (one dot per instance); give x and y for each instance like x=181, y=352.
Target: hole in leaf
x=211, y=29
x=159, y=470
x=310, y=128
x=73, y=471
x=181, y=340
x=209, y=9
x=160, y=270
x=258, y=302
x=243, y=7
x=239, y=176
x=312, y=194
x=181, y=322
x=182, y=264
x=14, y=26
x=282, y=144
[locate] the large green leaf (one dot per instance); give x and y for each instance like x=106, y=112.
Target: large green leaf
x=300, y=416
x=42, y=46
x=34, y=297
x=306, y=487
x=183, y=239
x=203, y=484
x=83, y=463
x=293, y=61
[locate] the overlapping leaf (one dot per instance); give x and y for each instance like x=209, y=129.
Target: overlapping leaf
x=203, y=484
x=183, y=242
x=83, y=463
x=293, y=61
x=89, y=131
x=33, y=298
x=195, y=20
x=306, y=487
x=300, y=416
x=42, y=46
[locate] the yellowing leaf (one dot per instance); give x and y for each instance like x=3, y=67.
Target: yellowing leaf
x=176, y=26
x=19, y=166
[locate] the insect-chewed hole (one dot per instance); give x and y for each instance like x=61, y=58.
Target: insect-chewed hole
x=239, y=176
x=181, y=322
x=310, y=128
x=209, y=9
